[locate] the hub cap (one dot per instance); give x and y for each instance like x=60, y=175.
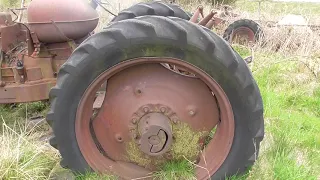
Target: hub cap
x=156, y=134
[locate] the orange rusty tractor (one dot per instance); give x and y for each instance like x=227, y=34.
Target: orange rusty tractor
x=155, y=85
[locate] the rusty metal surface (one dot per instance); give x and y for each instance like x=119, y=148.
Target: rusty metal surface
x=189, y=98
x=206, y=19
x=155, y=134
x=61, y=20
x=28, y=92
x=5, y=19
x=34, y=74
x=99, y=100
x=33, y=80
x=7, y=75
x=11, y=36
x=243, y=35
x=45, y=64
x=28, y=70
x=196, y=15
x=151, y=84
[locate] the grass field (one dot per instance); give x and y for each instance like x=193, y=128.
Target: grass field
x=289, y=81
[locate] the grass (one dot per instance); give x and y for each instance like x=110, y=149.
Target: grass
x=278, y=8
x=14, y=113
x=176, y=170
x=23, y=156
x=8, y=3
x=291, y=149
x=287, y=70
x=274, y=11
x=89, y=176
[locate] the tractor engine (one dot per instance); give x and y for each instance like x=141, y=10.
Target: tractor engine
x=31, y=53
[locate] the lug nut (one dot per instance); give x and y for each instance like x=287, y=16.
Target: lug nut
x=119, y=138
x=192, y=113
x=163, y=109
x=175, y=120
x=146, y=109
x=134, y=120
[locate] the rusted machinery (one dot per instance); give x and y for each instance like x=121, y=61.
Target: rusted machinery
x=241, y=31
x=32, y=53
x=151, y=87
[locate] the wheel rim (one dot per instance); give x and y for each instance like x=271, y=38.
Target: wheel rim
x=243, y=35
x=131, y=114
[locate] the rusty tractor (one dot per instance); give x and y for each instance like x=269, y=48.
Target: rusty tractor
x=153, y=86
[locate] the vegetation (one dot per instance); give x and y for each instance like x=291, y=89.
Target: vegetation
x=288, y=78
x=276, y=8
x=23, y=156
x=8, y=3
x=212, y=2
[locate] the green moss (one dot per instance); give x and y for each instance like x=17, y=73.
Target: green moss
x=186, y=142
x=210, y=136
x=136, y=155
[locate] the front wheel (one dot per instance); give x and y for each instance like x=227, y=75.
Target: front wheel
x=152, y=90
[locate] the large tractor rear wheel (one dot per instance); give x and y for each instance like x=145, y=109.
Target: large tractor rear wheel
x=152, y=89
x=152, y=8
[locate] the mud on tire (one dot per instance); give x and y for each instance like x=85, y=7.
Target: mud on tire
x=181, y=39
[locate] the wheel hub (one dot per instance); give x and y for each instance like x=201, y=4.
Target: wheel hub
x=156, y=134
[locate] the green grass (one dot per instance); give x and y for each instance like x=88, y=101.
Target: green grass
x=23, y=156
x=176, y=170
x=277, y=8
x=4, y=4
x=22, y=113
x=292, y=144
x=91, y=176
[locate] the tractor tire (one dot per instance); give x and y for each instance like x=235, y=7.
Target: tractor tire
x=152, y=8
x=250, y=25
x=172, y=38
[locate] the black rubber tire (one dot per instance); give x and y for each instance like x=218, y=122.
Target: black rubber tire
x=152, y=8
x=255, y=27
x=173, y=37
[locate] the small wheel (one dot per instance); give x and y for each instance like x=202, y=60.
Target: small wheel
x=121, y=105
x=243, y=31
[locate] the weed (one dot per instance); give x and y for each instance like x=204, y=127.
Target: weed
x=92, y=176
x=23, y=156
x=173, y=170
